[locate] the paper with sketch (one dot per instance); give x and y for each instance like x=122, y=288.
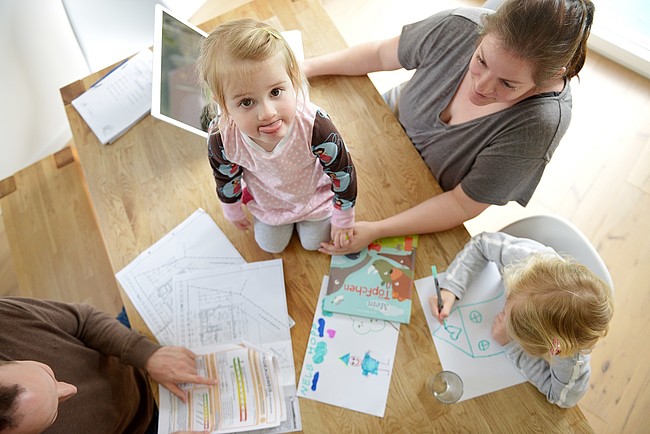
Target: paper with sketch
x=239, y=302
x=197, y=244
x=466, y=346
x=249, y=394
x=349, y=360
x=233, y=303
x=120, y=99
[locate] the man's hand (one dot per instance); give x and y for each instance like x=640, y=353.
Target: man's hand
x=170, y=366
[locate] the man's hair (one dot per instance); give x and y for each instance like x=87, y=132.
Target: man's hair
x=8, y=396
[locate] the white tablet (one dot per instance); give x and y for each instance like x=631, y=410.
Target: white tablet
x=177, y=95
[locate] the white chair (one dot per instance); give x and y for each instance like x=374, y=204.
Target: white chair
x=564, y=237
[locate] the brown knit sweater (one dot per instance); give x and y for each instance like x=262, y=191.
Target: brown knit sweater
x=89, y=349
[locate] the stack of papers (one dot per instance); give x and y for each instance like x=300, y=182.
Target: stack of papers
x=119, y=100
x=193, y=289
x=249, y=394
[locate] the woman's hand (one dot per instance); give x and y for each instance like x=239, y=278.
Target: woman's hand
x=363, y=234
x=448, y=301
x=171, y=366
x=499, y=332
x=341, y=237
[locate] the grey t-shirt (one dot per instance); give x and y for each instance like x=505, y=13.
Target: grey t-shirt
x=496, y=158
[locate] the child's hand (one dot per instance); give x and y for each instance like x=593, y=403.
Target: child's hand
x=499, y=333
x=243, y=224
x=448, y=300
x=341, y=237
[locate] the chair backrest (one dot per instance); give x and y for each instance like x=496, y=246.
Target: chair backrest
x=564, y=237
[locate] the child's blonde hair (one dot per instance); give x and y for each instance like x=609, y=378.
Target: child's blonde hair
x=559, y=305
x=225, y=51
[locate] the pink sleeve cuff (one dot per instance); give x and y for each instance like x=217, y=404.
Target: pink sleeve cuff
x=233, y=211
x=343, y=219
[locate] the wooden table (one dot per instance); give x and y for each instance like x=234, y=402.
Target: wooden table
x=156, y=175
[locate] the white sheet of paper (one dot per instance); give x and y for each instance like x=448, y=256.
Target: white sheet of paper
x=349, y=360
x=245, y=302
x=234, y=303
x=119, y=100
x=466, y=346
x=195, y=244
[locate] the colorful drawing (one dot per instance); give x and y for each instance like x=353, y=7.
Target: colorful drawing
x=368, y=364
x=348, y=360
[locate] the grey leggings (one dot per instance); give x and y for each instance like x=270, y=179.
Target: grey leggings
x=274, y=239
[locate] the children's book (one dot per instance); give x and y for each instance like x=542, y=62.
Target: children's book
x=376, y=282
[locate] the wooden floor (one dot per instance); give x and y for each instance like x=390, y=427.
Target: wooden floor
x=599, y=178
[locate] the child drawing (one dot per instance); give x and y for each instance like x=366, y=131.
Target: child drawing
x=368, y=364
x=555, y=310
x=271, y=143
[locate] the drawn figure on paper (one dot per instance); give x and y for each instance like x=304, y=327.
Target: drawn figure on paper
x=319, y=352
x=321, y=329
x=363, y=326
x=463, y=328
x=368, y=364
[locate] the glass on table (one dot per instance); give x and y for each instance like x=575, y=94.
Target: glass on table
x=446, y=386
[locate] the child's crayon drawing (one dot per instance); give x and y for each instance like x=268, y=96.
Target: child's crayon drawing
x=466, y=328
x=465, y=346
x=349, y=360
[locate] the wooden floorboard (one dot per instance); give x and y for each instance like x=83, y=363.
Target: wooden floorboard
x=56, y=250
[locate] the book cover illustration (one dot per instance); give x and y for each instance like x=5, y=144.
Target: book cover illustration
x=376, y=282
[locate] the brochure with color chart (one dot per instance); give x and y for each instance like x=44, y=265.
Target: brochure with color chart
x=376, y=282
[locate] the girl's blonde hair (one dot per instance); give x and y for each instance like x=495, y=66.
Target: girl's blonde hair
x=224, y=54
x=558, y=305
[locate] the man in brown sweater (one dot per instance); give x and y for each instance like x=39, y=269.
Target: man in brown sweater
x=74, y=369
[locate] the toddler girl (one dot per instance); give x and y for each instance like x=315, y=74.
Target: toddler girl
x=554, y=313
x=271, y=148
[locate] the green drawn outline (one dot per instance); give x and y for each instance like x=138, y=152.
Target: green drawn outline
x=464, y=329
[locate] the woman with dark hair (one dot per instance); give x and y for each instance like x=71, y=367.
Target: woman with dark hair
x=486, y=107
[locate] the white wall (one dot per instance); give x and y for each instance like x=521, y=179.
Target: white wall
x=40, y=55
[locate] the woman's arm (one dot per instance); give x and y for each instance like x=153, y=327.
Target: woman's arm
x=439, y=213
x=358, y=60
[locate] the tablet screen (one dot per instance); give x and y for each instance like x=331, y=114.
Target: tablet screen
x=177, y=95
